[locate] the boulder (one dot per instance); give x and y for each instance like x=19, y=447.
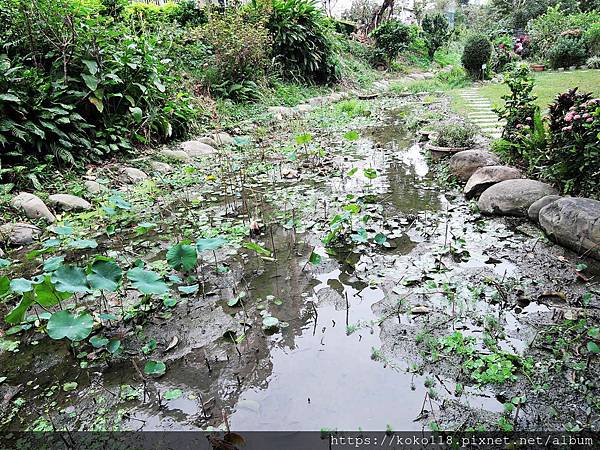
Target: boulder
x=304, y=108
x=335, y=97
x=133, y=175
x=197, y=148
x=19, y=233
x=209, y=141
x=574, y=223
x=316, y=101
x=223, y=139
x=68, y=202
x=484, y=177
x=177, y=155
x=93, y=187
x=464, y=164
x=513, y=197
x=32, y=206
x=161, y=167
x=534, y=210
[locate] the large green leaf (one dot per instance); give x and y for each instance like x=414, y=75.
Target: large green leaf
x=4, y=285
x=257, y=248
x=314, y=259
x=147, y=282
x=90, y=81
x=83, y=243
x=105, y=275
x=155, y=368
x=182, y=257
x=210, y=244
x=136, y=113
x=47, y=295
x=91, y=65
x=53, y=263
x=63, y=324
x=21, y=285
x=17, y=315
x=70, y=279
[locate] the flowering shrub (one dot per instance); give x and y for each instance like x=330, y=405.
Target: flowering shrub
x=503, y=53
x=574, y=154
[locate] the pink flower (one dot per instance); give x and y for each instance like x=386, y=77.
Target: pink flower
x=589, y=119
x=569, y=117
x=577, y=117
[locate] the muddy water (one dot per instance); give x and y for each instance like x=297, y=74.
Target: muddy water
x=328, y=375
x=346, y=353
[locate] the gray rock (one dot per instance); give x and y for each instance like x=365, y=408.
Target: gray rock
x=32, y=206
x=133, y=175
x=208, y=141
x=464, y=164
x=93, y=187
x=316, y=101
x=68, y=202
x=197, y=148
x=484, y=177
x=161, y=167
x=304, y=108
x=19, y=233
x=513, y=197
x=282, y=112
x=574, y=223
x=177, y=155
x=534, y=210
x=223, y=139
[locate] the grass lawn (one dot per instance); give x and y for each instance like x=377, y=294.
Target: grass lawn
x=548, y=84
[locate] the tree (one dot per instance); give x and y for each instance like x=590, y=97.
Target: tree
x=435, y=32
x=392, y=37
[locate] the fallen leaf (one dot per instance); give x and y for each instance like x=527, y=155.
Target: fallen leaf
x=172, y=344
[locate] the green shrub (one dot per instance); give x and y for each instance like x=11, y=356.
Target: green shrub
x=545, y=29
x=237, y=54
x=455, y=78
x=145, y=15
x=114, y=8
x=593, y=62
x=392, y=37
x=568, y=51
x=302, y=43
x=76, y=90
x=435, y=32
x=592, y=39
x=519, y=107
x=477, y=52
x=455, y=135
x=190, y=13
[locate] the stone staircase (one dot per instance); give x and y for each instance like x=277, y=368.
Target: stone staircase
x=481, y=114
